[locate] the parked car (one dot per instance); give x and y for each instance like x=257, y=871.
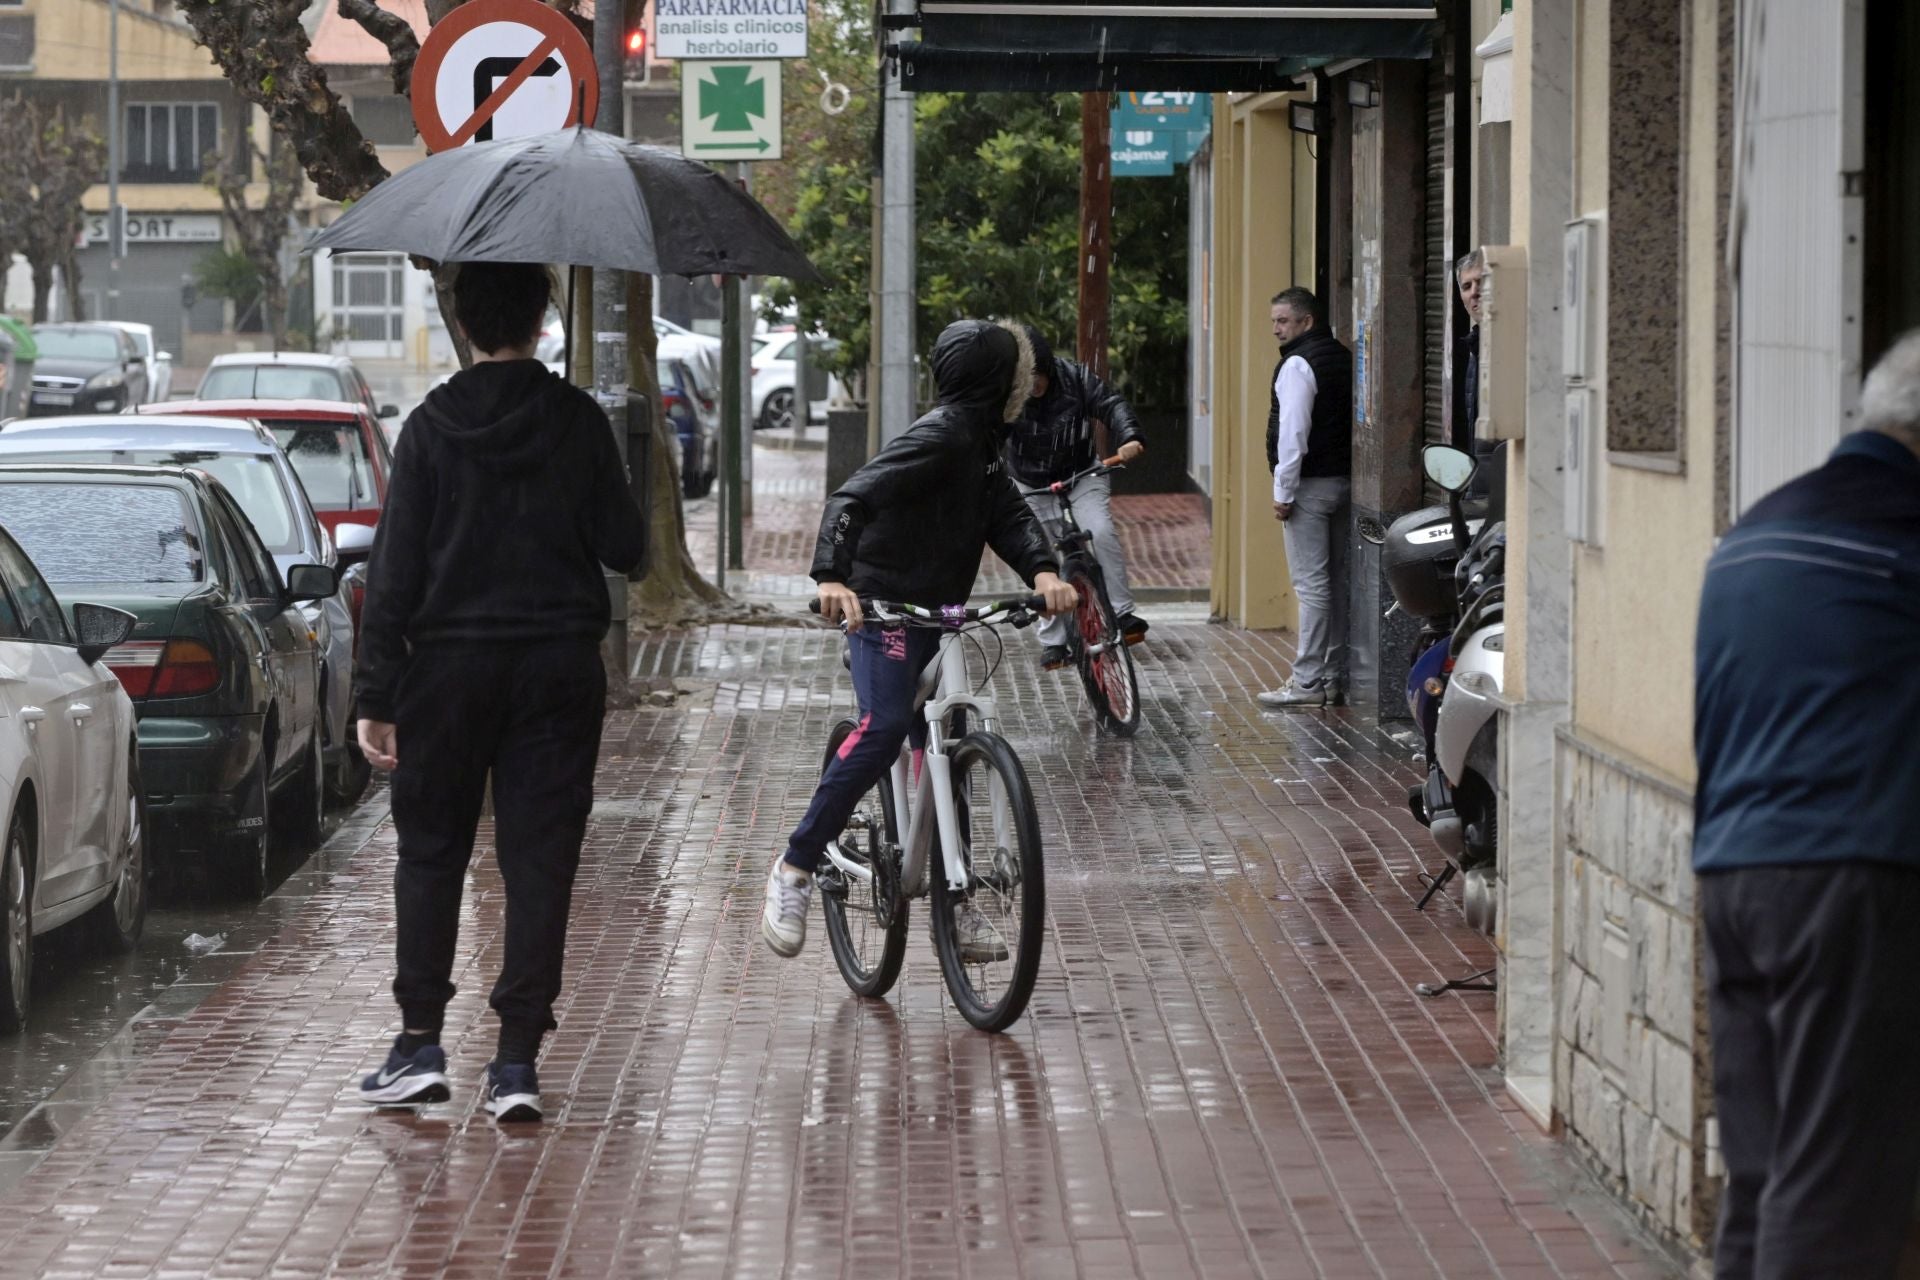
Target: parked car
x=775, y=370
x=289, y=375
x=86, y=368
x=159, y=364
x=247, y=459
x=689, y=407
x=75, y=811
x=223, y=673
x=337, y=448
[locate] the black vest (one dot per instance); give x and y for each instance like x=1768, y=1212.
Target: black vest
x=1330, y=440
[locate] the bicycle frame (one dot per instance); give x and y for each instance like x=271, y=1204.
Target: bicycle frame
x=944, y=688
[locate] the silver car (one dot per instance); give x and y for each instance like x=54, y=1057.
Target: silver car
x=244, y=457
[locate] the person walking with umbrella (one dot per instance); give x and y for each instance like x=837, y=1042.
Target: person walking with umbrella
x=479, y=655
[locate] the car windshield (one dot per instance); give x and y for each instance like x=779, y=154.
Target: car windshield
x=76, y=344
x=86, y=533
x=272, y=382
x=331, y=460
x=250, y=477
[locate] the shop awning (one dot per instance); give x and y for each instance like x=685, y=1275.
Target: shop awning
x=1219, y=47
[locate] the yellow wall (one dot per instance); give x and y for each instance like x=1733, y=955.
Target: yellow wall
x=1263, y=242
x=1635, y=596
x=71, y=39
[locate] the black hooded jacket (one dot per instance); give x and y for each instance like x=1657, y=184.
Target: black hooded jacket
x=1053, y=437
x=508, y=496
x=911, y=524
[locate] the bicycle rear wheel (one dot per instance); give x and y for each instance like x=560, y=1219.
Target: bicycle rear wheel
x=1105, y=658
x=866, y=920
x=988, y=935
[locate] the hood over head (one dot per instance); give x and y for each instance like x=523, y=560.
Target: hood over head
x=1042, y=350
x=500, y=413
x=983, y=368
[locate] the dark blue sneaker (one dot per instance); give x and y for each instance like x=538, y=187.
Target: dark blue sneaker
x=406, y=1080
x=513, y=1092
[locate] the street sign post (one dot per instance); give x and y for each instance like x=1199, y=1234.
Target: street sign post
x=689, y=29
x=502, y=69
x=730, y=111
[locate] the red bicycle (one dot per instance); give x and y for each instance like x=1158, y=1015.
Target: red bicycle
x=1100, y=652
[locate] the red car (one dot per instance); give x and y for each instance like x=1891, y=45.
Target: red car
x=339, y=451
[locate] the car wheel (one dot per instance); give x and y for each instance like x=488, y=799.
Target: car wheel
x=777, y=413
x=119, y=921
x=348, y=780
x=249, y=846
x=16, y=929
x=301, y=807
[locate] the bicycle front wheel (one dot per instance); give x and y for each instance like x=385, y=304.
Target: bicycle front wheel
x=1105, y=658
x=988, y=934
x=866, y=919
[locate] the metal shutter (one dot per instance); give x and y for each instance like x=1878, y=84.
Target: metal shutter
x=1434, y=328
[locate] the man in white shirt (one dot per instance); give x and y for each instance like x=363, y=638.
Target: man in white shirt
x=1310, y=448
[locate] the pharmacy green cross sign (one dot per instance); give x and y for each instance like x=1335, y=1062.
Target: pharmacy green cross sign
x=730, y=110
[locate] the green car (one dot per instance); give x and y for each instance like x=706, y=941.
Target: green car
x=223, y=673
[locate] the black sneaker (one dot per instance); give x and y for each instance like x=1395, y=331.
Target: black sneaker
x=1054, y=657
x=1133, y=628
x=408, y=1080
x=513, y=1092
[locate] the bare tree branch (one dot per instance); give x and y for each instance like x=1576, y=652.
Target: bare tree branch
x=392, y=31
x=263, y=48
x=47, y=162
x=262, y=232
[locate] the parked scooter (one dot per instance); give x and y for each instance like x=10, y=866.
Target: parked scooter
x=1448, y=570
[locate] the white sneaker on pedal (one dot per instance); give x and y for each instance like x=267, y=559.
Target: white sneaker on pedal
x=784, y=922
x=980, y=942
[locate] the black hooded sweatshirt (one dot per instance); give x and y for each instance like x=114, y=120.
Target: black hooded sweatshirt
x=909, y=527
x=508, y=496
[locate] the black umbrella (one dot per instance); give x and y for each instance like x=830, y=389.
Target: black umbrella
x=578, y=197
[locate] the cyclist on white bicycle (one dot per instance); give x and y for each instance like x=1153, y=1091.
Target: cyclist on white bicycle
x=910, y=526
x=1052, y=441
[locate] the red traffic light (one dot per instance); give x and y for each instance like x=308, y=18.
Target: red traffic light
x=637, y=42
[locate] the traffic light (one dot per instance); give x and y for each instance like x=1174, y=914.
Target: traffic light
x=636, y=56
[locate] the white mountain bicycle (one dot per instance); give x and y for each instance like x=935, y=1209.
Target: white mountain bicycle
x=971, y=803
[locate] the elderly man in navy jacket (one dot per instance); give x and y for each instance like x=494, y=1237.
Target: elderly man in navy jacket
x=1807, y=845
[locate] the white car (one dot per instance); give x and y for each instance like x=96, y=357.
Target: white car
x=289, y=375
x=75, y=814
x=774, y=370
x=159, y=363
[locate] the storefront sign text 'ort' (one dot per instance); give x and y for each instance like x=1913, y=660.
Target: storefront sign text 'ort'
x=158, y=228
x=731, y=28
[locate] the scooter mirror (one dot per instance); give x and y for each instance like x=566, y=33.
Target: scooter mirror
x=1452, y=469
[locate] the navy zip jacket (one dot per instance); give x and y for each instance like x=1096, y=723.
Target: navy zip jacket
x=1807, y=671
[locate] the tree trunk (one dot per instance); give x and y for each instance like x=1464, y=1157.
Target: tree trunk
x=76, y=301
x=42, y=288
x=274, y=297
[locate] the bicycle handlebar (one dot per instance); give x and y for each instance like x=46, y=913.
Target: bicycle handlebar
x=946, y=615
x=1099, y=468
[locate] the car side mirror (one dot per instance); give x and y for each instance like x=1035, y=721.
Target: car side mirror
x=389, y=410
x=311, y=582
x=99, y=628
x=1452, y=469
x=165, y=357
x=353, y=542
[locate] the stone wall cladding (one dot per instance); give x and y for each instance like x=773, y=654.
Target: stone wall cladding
x=1636, y=1094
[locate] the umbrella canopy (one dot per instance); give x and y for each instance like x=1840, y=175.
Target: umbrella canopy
x=578, y=197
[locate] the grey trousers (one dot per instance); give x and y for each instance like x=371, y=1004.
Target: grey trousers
x=1092, y=500
x=1316, y=534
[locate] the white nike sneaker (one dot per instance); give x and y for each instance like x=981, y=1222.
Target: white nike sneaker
x=784, y=922
x=980, y=942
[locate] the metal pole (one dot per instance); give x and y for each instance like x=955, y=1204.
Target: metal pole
x=802, y=395
x=114, y=225
x=609, y=337
x=732, y=347
x=747, y=318
x=1096, y=229
x=898, y=392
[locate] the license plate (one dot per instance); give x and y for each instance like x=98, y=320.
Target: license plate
x=53, y=397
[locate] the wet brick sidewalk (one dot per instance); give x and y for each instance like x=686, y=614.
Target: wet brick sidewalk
x=1224, y=1072
x=1167, y=537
